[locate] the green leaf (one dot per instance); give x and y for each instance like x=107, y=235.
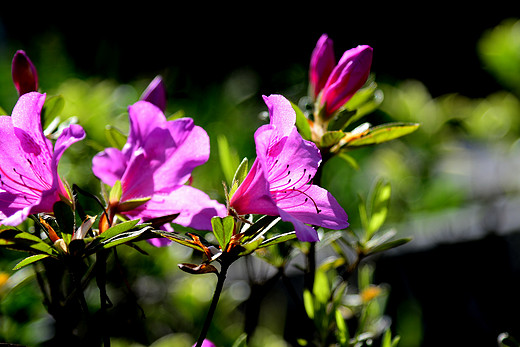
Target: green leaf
x=278, y=239
x=115, y=137
x=115, y=230
x=29, y=260
x=223, y=229
x=389, y=245
x=302, y=123
x=378, y=208
x=239, y=176
x=125, y=237
x=349, y=160
x=241, y=341
x=342, y=333
x=128, y=205
x=52, y=108
x=383, y=133
x=3, y=112
x=228, y=158
x=308, y=303
x=330, y=138
x=116, y=192
x=179, y=238
x=25, y=242
x=321, y=287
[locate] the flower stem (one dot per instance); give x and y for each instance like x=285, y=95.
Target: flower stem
x=216, y=296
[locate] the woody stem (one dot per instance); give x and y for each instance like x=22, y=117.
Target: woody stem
x=216, y=296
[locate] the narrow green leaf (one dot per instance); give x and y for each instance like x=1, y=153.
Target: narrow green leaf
x=383, y=133
x=330, y=138
x=124, y=238
x=239, y=176
x=302, y=123
x=115, y=137
x=278, y=239
x=29, y=260
x=241, y=341
x=128, y=205
x=111, y=232
x=389, y=245
x=52, y=108
x=223, y=229
x=378, y=208
x=321, y=287
x=228, y=158
x=2, y=112
x=24, y=241
x=179, y=238
x=116, y=192
x=308, y=303
x=342, y=333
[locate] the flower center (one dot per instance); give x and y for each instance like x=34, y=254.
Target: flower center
x=29, y=186
x=291, y=187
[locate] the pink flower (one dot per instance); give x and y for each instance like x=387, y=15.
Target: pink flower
x=155, y=163
x=29, y=181
x=341, y=81
x=24, y=73
x=280, y=180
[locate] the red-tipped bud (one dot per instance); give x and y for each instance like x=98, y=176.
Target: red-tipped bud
x=25, y=76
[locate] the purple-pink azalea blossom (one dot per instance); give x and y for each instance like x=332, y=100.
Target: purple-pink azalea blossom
x=280, y=180
x=29, y=181
x=25, y=76
x=156, y=93
x=155, y=164
x=343, y=80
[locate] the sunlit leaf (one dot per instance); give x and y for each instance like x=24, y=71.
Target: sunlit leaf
x=24, y=241
x=383, y=133
x=321, y=289
x=308, y=302
x=223, y=229
x=52, y=108
x=239, y=176
x=29, y=260
x=115, y=137
x=278, y=239
x=342, y=333
x=378, y=208
x=330, y=138
x=302, y=123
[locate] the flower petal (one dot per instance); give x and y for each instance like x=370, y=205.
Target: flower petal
x=303, y=232
x=253, y=195
x=195, y=207
x=316, y=206
x=281, y=113
x=109, y=165
x=144, y=117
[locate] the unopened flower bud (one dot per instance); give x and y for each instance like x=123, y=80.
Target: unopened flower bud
x=155, y=93
x=322, y=64
x=25, y=76
x=346, y=79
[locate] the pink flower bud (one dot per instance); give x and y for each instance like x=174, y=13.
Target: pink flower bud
x=25, y=76
x=206, y=343
x=346, y=79
x=322, y=64
x=155, y=93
